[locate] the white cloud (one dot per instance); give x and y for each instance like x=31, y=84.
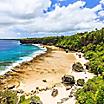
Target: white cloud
x=97, y=8
x=26, y=16
x=101, y=13
x=102, y=1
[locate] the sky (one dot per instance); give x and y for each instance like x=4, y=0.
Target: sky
x=38, y=18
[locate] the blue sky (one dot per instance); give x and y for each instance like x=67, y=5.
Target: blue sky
x=89, y=3
x=33, y=18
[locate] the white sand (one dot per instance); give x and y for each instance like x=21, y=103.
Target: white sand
x=62, y=93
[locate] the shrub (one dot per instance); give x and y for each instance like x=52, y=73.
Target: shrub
x=8, y=97
x=22, y=98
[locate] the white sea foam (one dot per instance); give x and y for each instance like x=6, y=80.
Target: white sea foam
x=25, y=59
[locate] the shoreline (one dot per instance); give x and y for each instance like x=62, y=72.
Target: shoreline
x=19, y=72
x=24, y=59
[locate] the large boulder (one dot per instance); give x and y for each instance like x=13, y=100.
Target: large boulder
x=68, y=79
x=80, y=82
x=77, y=67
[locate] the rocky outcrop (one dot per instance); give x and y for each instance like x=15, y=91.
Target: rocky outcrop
x=27, y=41
x=68, y=79
x=77, y=67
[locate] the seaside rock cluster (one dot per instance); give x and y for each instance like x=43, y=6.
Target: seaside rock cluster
x=68, y=79
x=77, y=67
x=80, y=82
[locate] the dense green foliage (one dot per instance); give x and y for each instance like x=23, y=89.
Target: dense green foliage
x=92, y=92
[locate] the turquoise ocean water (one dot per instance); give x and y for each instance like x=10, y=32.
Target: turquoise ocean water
x=12, y=53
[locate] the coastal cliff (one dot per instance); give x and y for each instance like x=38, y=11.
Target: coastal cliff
x=44, y=41
x=27, y=41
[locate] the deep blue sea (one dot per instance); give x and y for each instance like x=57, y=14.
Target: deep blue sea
x=13, y=53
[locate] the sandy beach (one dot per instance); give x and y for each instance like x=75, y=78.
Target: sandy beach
x=45, y=72
x=50, y=66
